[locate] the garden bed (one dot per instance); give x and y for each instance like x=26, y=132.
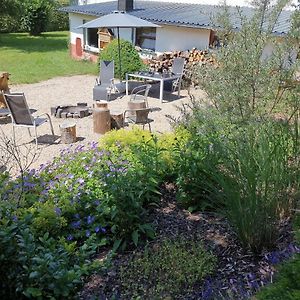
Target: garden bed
x=238, y=273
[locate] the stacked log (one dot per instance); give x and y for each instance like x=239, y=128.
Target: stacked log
x=192, y=57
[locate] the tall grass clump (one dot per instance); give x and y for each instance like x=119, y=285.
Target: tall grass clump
x=248, y=171
x=258, y=180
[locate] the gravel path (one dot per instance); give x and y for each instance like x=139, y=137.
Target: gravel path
x=70, y=90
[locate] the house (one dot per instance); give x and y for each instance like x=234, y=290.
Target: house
x=183, y=25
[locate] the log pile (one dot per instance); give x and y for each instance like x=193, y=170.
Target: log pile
x=192, y=57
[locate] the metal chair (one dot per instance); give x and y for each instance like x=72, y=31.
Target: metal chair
x=105, y=83
x=140, y=117
x=140, y=93
x=178, y=69
x=21, y=115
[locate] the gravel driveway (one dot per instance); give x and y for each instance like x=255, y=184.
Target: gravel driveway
x=71, y=90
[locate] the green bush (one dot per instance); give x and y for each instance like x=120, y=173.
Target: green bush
x=36, y=16
x=69, y=208
x=161, y=148
x=39, y=266
x=248, y=170
x=199, y=159
x=130, y=60
x=58, y=21
x=257, y=182
x=162, y=271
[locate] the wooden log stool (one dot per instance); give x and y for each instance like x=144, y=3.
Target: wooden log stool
x=68, y=132
x=117, y=119
x=101, y=104
x=133, y=105
x=101, y=120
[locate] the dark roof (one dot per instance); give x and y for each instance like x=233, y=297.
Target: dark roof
x=177, y=14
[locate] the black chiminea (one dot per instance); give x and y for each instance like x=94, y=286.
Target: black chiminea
x=125, y=5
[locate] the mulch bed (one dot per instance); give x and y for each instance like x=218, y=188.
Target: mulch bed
x=239, y=273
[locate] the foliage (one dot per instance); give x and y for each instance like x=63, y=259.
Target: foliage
x=160, y=148
x=198, y=161
x=9, y=7
x=42, y=57
x=160, y=272
x=85, y=199
x=57, y=20
x=130, y=60
x=244, y=169
x=259, y=178
x=36, y=16
x=248, y=82
x=38, y=266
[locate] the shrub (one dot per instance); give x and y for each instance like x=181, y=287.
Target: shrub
x=130, y=60
x=259, y=180
x=199, y=159
x=69, y=208
x=38, y=266
x=248, y=170
x=57, y=20
x=260, y=91
x=162, y=271
x=154, y=150
x=36, y=15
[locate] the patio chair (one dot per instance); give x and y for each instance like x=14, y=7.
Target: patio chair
x=140, y=94
x=178, y=69
x=21, y=115
x=140, y=117
x=105, y=84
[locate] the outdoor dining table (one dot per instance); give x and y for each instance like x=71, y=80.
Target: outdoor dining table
x=160, y=77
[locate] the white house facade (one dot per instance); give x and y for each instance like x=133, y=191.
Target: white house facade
x=183, y=25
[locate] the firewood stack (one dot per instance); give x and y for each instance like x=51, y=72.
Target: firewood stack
x=192, y=58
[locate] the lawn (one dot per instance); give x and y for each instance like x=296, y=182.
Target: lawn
x=31, y=59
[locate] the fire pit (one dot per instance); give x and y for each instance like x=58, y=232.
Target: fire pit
x=71, y=111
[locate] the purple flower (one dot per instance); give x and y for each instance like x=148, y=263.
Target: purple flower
x=90, y=219
x=76, y=224
x=57, y=211
x=77, y=216
x=97, y=229
x=88, y=233
x=80, y=180
x=103, y=229
x=15, y=218
x=70, y=237
x=97, y=202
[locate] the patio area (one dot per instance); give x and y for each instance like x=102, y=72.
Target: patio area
x=77, y=89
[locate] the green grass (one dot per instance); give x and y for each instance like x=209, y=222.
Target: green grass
x=32, y=59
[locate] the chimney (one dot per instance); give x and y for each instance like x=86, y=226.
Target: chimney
x=125, y=5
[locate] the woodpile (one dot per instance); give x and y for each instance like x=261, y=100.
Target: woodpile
x=192, y=57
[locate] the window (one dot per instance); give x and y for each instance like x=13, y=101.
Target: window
x=145, y=38
x=90, y=36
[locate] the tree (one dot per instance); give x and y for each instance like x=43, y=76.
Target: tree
x=9, y=7
x=248, y=82
x=36, y=15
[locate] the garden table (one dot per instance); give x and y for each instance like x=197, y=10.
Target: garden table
x=160, y=77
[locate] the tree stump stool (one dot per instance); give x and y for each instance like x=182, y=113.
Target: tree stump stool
x=117, y=119
x=102, y=104
x=68, y=132
x=101, y=120
x=132, y=105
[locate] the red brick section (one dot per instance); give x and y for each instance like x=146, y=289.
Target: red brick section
x=85, y=54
